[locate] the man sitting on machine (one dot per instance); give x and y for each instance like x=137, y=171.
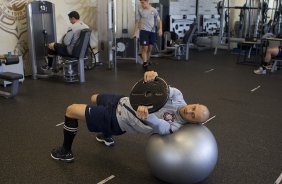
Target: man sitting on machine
x=115, y=115
x=270, y=53
x=69, y=40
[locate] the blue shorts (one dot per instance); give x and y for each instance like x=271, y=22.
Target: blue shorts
x=102, y=117
x=147, y=38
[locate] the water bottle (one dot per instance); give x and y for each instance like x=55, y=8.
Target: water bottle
x=16, y=51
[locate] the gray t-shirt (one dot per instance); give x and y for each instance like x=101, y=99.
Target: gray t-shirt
x=147, y=18
x=73, y=34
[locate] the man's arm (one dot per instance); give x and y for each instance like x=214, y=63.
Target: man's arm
x=159, y=126
x=150, y=76
x=68, y=37
x=137, y=25
x=136, y=29
x=160, y=26
x=176, y=95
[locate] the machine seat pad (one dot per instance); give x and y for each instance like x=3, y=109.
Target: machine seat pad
x=9, y=76
x=70, y=58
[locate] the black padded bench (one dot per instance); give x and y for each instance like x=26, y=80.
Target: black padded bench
x=11, y=77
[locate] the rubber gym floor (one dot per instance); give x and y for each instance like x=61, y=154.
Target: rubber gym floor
x=247, y=125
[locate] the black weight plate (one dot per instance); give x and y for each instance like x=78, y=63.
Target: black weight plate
x=153, y=94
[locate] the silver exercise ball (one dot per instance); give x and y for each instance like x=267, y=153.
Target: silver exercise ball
x=187, y=156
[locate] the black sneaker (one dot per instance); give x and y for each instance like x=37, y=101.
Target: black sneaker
x=108, y=141
x=62, y=154
x=145, y=64
x=46, y=68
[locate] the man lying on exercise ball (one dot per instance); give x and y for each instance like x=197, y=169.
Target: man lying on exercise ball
x=113, y=115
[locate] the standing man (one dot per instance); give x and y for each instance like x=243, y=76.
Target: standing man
x=147, y=21
x=69, y=40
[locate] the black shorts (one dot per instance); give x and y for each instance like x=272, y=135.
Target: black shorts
x=280, y=52
x=102, y=117
x=147, y=38
x=60, y=49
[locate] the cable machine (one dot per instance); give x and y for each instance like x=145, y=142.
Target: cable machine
x=252, y=17
x=114, y=31
x=275, y=25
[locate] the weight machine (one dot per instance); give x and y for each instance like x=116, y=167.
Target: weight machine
x=41, y=31
x=275, y=24
x=114, y=31
x=253, y=15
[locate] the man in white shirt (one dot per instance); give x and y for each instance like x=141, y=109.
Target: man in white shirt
x=69, y=40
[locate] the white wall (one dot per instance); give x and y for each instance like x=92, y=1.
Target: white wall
x=182, y=7
x=125, y=17
x=208, y=7
x=86, y=9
